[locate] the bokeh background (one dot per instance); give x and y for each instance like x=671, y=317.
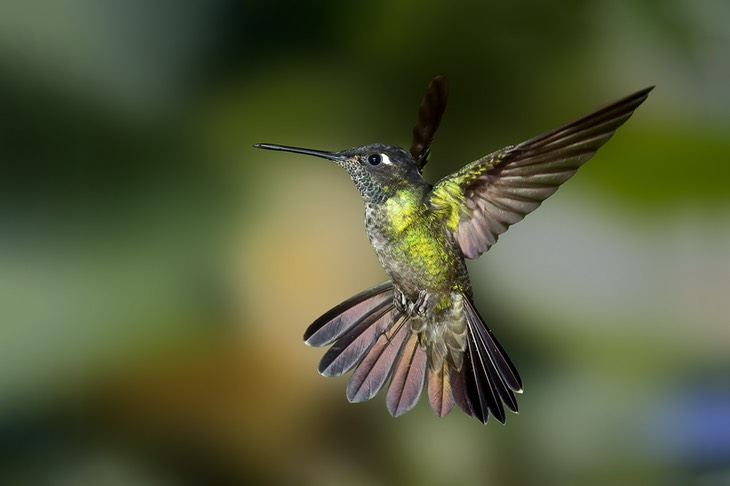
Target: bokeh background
x=157, y=272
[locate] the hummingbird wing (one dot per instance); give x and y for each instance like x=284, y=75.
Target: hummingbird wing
x=432, y=108
x=480, y=201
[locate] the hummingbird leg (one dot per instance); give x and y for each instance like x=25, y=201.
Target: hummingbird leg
x=419, y=306
x=414, y=310
x=400, y=301
x=411, y=308
x=422, y=302
x=392, y=329
x=417, y=312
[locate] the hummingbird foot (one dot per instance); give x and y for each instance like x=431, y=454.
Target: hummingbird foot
x=412, y=308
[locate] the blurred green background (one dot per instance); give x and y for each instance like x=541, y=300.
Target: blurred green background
x=157, y=272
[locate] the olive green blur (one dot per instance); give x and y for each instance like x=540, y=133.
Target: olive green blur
x=157, y=272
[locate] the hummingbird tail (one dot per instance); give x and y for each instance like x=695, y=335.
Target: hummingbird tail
x=354, y=326
x=368, y=333
x=490, y=378
x=374, y=337
x=446, y=388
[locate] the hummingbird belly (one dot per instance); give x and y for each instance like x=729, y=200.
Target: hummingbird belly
x=428, y=273
x=416, y=252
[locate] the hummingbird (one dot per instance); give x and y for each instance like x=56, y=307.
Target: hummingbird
x=420, y=329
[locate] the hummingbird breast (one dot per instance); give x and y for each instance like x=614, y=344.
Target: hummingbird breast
x=427, y=270
x=414, y=248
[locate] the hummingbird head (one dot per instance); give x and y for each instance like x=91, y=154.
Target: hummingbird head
x=377, y=170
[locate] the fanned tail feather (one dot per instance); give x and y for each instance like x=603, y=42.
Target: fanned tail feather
x=338, y=320
x=490, y=377
x=371, y=335
x=458, y=390
x=440, y=395
x=374, y=370
x=409, y=377
x=347, y=351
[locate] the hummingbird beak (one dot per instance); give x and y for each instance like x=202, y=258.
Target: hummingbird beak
x=297, y=150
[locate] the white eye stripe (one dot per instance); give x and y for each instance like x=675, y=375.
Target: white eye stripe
x=386, y=159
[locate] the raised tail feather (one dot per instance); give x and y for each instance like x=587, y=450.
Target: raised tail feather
x=368, y=333
x=490, y=377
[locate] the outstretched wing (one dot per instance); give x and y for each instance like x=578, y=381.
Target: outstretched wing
x=429, y=116
x=480, y=201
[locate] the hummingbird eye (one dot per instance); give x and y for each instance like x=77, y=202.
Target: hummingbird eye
x=374, y=159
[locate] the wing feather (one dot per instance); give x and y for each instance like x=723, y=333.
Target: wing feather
x=499, y=189
x=430, y=112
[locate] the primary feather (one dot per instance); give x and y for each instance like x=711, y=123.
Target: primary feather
x=498, y=190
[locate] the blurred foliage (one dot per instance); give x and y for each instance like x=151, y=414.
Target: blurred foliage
x=156, y=272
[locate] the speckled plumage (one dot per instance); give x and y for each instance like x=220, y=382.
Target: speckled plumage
x=421, y=329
